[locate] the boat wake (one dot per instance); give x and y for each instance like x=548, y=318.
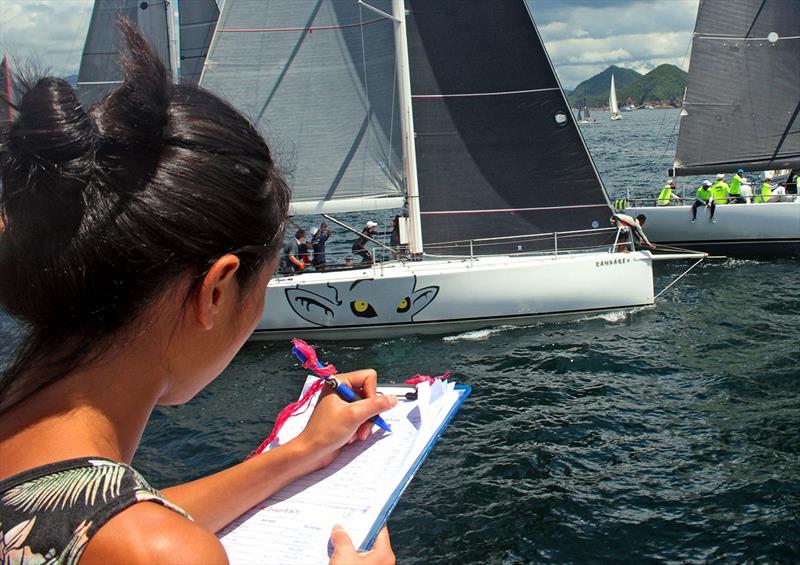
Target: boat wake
x=615, y=316
x=478, y=335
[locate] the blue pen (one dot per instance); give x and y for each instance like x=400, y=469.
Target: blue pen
x=343, y=390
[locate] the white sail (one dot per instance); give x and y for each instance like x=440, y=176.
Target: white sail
x=318, y=79
x=613, y=106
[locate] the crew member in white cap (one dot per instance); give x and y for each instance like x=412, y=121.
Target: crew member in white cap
x=720, y=189
x=359, y=246
x=747, y=191
x=704, y=197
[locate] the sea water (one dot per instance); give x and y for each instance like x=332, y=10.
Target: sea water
x=669, y=433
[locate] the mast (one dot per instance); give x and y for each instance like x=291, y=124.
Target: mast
x=407, y=129
x=172, y=40
x=5, y=83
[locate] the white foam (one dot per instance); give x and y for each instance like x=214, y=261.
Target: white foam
x=478, y=335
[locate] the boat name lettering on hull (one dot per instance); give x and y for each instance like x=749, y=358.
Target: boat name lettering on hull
x=610, y=262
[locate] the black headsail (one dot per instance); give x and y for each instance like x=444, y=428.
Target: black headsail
x=742, y=106
x=498, y=150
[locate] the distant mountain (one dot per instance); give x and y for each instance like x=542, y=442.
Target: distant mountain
x=72, y=79
x=595, y=89
x=663, y=85
x=567, y=92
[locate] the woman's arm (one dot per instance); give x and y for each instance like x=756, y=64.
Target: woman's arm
x=216, y=500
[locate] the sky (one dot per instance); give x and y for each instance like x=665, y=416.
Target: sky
x=583, y=37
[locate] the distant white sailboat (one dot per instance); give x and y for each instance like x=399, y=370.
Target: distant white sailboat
x=612, y=102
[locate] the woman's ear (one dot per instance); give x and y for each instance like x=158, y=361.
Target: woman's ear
x=219, y=287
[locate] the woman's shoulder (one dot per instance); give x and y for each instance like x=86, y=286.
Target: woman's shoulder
x=151, y=533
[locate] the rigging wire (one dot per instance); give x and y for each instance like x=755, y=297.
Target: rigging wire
x=672, y=135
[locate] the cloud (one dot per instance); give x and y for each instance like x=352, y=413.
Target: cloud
x=47, y=33
x=584, y=37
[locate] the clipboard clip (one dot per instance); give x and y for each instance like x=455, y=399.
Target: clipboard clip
x=410, y=395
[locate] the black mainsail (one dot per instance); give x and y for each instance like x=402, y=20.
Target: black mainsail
x=742, y=106
x=498, y=150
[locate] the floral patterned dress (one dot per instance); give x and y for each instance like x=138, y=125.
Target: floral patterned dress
x=49, y=514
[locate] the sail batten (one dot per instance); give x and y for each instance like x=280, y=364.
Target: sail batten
x=317, y=78
x=454, y=95
x=743, y=95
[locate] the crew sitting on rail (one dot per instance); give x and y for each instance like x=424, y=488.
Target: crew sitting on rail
x=666, y=195
x=704, y=197
x=720, y=190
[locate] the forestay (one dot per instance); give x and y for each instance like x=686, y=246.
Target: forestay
x=318, y=79
x=498, y=150
x=743, y=97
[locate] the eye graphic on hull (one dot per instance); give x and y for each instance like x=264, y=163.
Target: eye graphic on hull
x=404, y=305
x=362, y=309
x=307, y=303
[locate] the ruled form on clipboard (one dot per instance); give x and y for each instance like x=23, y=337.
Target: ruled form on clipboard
x=358, y=490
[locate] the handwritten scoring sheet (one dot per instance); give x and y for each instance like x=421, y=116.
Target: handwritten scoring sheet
x=294, y=525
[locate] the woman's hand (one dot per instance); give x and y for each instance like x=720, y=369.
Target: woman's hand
x=344, y=553
x=336, y=422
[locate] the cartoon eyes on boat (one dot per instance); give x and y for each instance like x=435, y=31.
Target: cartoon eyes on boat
x=362, y=309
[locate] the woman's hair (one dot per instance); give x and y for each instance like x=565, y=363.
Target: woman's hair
x=102, y=211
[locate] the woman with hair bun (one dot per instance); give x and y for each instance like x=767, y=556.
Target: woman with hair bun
x=136, y=240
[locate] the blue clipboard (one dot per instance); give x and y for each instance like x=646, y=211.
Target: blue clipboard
x=464, y=391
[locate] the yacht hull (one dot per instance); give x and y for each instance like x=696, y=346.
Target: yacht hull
x=770, y=229
x=444, y=296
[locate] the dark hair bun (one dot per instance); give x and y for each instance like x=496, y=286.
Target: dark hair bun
x=46, y=158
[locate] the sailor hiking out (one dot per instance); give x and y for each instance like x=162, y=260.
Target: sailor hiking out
x=704, y=197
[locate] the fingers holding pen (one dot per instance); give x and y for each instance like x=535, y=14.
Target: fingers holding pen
x=364, y=381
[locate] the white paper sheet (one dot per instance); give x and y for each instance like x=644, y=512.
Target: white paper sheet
x=294, y=525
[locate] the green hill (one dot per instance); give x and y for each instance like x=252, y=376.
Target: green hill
x=664, y=85
x=595, y=89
